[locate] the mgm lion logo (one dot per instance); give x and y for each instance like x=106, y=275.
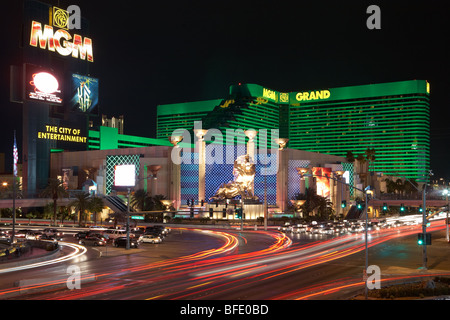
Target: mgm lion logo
x=66, y=19
x=60, y=18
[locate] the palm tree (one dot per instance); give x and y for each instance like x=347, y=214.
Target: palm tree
x=140, y=199
x=158, y=205
x=55, y=190
x=81, y=203
x=96, y=204
x=399, y=186
x=350, y=156
x=315, y=203
x=390, y=186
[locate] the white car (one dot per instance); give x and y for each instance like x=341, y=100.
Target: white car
x=116, y=233
x=33, y=235
x=149, y=238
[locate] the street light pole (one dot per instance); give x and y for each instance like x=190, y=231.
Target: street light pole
x=128, y=219
x=424, y=228
x=366, y=244
x=446, y=220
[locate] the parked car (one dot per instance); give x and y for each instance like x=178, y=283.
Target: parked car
x=95, y=240
x=150, y=238
x=122, y=242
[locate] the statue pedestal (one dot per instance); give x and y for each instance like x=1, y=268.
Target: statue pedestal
x=252, y=210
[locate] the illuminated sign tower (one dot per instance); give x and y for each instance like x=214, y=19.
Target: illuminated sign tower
x=56, y=92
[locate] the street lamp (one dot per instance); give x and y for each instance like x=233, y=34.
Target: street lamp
x=445, y=192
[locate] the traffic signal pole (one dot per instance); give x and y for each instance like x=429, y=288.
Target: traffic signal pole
x=424, y=229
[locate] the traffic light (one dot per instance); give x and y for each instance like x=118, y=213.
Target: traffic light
x=210, y=212
x=238, y=213
x=203, y=202
x=385, y=207
x=402, y=208
x=420, y=209
x=343, y=203
x=424, y=239
x=420, y=239
x=359, y=206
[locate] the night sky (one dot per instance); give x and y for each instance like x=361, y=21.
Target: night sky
x=149, y=53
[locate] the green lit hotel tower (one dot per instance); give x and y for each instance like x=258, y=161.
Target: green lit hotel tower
x=392, y=118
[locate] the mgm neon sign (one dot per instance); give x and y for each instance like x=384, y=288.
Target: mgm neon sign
x=61, y=41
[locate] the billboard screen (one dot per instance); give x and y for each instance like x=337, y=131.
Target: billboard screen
x=125, y=175
x=322, y=181
x=84, y=93
x=42, y=85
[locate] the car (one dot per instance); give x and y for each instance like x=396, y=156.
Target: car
x=33, y=235
x=116, y=233
x=22, y=233
x=155, y=231
x=356, y=228
x=315, y=230
x=327, y=230
x=122, y=242
x=163, y=230
x=53, y=237
x=4, y=234
x=97, y=228
x=81, y=235
x=53, y=231
x=340, y=230
x=150, y=238
x=95, y=240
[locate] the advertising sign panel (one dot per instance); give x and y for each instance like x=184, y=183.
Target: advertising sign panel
x=84, y=93
x=42, y=85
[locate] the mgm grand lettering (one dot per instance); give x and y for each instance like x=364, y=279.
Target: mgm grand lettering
x=62, y=134
x=313, y=95
x=269, y=94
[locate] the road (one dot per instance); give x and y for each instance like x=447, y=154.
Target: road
x=230, y=265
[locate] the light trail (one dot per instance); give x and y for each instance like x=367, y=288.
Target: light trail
x=217, y=271
x=78, y=251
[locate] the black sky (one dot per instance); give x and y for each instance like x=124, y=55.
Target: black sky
x=149, y=53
